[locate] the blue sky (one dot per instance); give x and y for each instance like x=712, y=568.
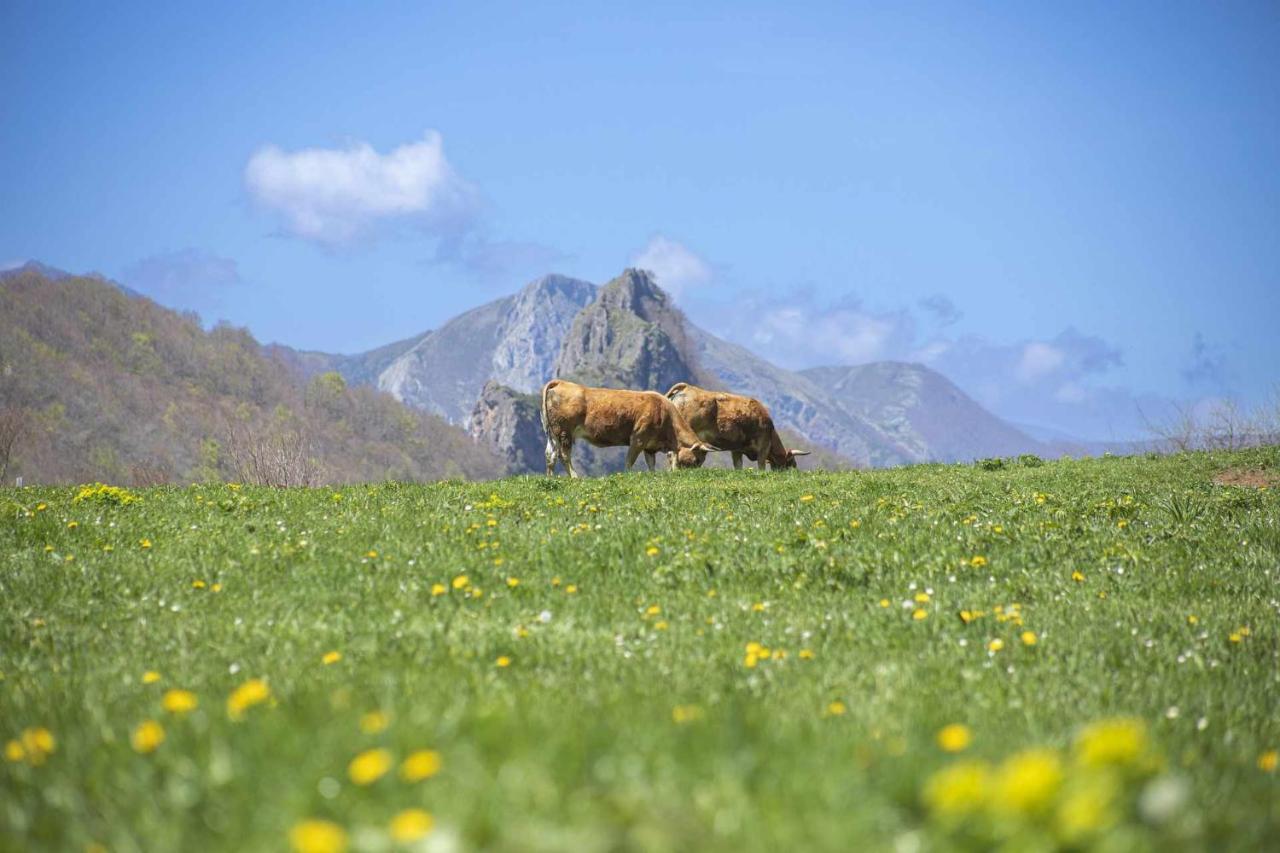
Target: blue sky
x=1070, y=209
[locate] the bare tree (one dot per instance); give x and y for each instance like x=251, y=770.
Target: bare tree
x=14, y=422
x=280, y=457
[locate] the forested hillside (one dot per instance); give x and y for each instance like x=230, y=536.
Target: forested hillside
x=96, y=384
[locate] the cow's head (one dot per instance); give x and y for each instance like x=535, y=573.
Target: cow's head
x=690, y=457
x=787, y=459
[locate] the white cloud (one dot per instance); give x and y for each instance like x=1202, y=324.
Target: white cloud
x=1038, y=359
x=675, y=267
x=334, y=195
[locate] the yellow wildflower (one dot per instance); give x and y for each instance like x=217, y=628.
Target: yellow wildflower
x=806, y=654
x=884, y=602
x=1028, y=638
x=995, y=645
x=217, y=587
x=660, y=625
x=1120, y=741
x=13, y=751
x=1268, y=761
x=977, y=561
x=410, y=825
x=318, y=836
x=374, y=722
x=758, y=607
x=1193, y=619
x=502, y=662
x=806, y=498
x=371, y=554
x=144, y=544
x=513, y=582
x=147, y=737
x=955, y=737
x=836, y=708
x=438, y=589
x=682, y=714
x=919, y=613
x=252, y=692
x=419, y=765
x=150, y=677
x=1027, y=781
x=198, y=584
x=461, y=581
x=1087, y=806
x=922, y=597
x=959, y=789
x=180, y=701
x=1077, y=576
x=652, y=550
x=369, y=766
x=571, y=589
x=331, y=657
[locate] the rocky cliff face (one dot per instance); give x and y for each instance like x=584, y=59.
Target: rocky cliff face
x=514, y=340
x=631, y=336
x=507, y=422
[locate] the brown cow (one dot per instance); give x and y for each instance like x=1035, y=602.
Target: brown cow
x=735, y=423
x=642, y=421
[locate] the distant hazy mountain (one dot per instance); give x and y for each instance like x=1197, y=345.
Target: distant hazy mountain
x=922, y=411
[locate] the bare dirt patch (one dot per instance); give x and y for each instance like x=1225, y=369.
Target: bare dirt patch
x=1252, y=478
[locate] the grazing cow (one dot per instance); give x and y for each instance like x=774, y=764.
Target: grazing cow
x=642, y=421
x=735, y=423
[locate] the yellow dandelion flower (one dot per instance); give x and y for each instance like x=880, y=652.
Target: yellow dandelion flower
x=1193, y=619
x=72, y=525
x=371, y=554
x=1028, y=638
x=660, y=625
x=922, y=597
x=958, y=789
x=197, y=584
x=369, y=766
x=502, y=662
x=750, y=660
x=419, y=765
x=652, y=610
x=410, y=825
x=806, y=498
x=1027, y=781
x=919, y=614
x=1087, y=806
x=461, y=582
x=318, y=836
x=682, y=714
x=513, y=582
x=1268, y=761
x=571, y=589
x=977, y=561
x=806, y=654
x=150, y=677
x=331, y=657
x=438, y=589
x=13, y=751
x=41, y=507
x=1235, y=637
x=252, y=692
x=217, y=587
x=836, y=708
x=995, y=645
x=954, y=738
x=1077, y=576
x=758, y=607
x=374, y=722
x=144, y=544
x=179, y=701
x=884, y=602
x=1119, y=741
x=651, y=551
x=147, y=737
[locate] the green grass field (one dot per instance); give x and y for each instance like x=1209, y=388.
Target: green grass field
x=698, y=660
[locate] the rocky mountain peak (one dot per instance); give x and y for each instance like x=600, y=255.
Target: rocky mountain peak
x=631, y=336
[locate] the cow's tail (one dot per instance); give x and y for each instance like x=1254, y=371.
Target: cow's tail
x=542, y=410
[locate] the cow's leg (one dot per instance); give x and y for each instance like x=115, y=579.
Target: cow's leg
x=633, y=453
x=762, y=455
x=551, y=457
x=651, y=459
x=566, y=454
x=737, y=459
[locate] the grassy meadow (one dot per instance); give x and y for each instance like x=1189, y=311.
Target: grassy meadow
x=1080, y=654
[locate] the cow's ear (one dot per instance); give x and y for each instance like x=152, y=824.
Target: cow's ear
x=800, y=452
